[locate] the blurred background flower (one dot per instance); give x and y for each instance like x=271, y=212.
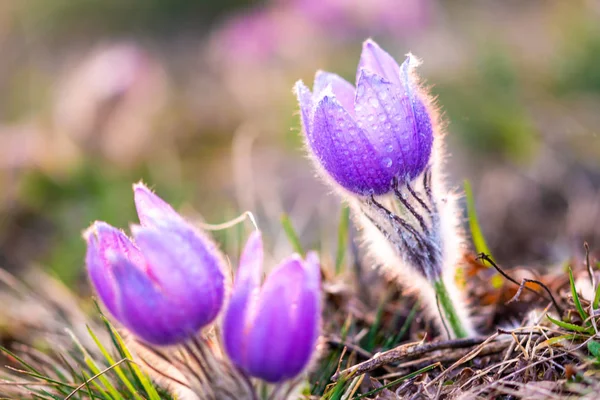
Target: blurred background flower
x=195, y=97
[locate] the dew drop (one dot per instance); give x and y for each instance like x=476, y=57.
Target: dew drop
x=370, y=118
x=382, y=117
x=360, y=90
x=389, y=148
x=383, y=95
x=387, y=162
x=373, y=102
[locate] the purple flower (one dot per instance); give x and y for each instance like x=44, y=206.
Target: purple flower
x=164, y=285
x=271, y=332
x=365, y=137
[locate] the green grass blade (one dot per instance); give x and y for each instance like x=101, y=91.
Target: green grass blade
x=584, y=316
x=569, y=326
x=19, y=359
x=95, y=370
x=375, y=328
x=405, y=326
x=291, y=234
x=142, y=378
x=478, y=239
x=111, y=361
x=557, y=339
x=596, y=297
x=342, y=242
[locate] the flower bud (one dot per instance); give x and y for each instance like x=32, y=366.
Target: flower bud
x=166, y=283
x=367, y=136
x=270, y=332
x=382, y=143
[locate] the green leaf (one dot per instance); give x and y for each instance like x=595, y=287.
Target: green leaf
x=478, y=239
x=594, y=349
x=497, y=281
x=291, y=234
x=584, y=316
x=342, y=243
x=569, y=326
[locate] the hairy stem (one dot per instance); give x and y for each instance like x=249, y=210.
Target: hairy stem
x=448, y=310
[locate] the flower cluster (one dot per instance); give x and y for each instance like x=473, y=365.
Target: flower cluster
x=168, y=282
x=378, y=144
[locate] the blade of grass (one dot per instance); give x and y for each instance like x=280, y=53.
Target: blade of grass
x=405, y=326
x=558, y=339
x=342, y=242
x=569, y=326
x=111, y=361
x=143, y=379
x=596, y=297
x=478, y=238
x=291, y=234
x=57, y=384
x=19, y=359
x=370, y=339
x=89, y=361
x=584, y=316
x=31, y=371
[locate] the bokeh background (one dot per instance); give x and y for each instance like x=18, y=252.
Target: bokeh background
x=194, y=97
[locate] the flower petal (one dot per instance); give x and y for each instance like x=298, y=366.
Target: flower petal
x=342, y=89
x=147, y=311
x=272, y=332
x=386, y=112
x=376, y=60
x=187, y=269
x=247, y=281
x=419, y=112
x=306, y=105
x=345, y=152
x=103, y=242
x=306, y=318
x=151, y=209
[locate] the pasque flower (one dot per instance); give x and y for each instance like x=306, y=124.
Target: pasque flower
x=166, y=283
x=270, y=332
x=381, y=143
x=367, y=136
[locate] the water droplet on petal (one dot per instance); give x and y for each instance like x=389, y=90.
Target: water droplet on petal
x=360, y=90
x=387, y=162
x=389, y=148
x=374, y=102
